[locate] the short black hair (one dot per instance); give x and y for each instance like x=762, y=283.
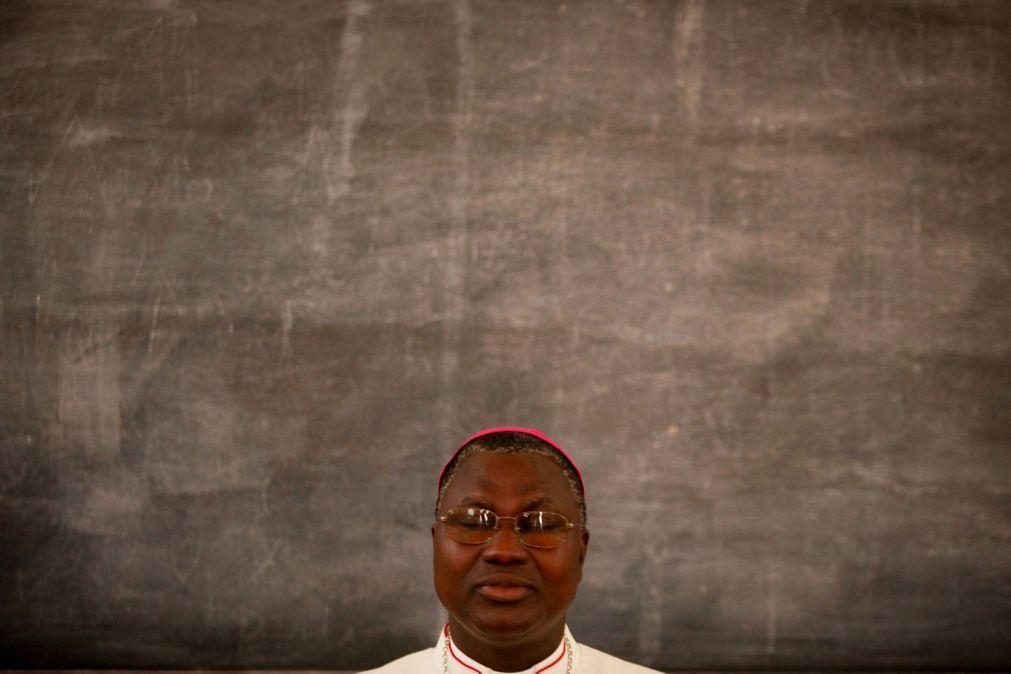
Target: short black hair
x=514, y=442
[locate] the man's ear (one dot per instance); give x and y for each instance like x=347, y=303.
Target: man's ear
x=584, y=542
x=433, y=533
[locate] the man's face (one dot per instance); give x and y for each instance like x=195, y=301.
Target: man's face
x=502, y=591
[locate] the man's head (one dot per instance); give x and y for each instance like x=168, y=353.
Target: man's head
x=507, y=593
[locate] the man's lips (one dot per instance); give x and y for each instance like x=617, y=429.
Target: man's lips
x=504, y=593
x=504, y=590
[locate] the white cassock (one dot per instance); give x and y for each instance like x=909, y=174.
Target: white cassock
x=445, y=656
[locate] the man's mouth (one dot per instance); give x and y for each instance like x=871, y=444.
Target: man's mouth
x=504, y=590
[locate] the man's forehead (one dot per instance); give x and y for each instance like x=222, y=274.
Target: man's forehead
x=528, y=475
x=533, y=486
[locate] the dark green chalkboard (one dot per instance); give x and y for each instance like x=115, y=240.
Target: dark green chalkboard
x=262, y=265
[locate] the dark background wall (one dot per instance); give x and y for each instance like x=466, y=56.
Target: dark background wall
x=265, y=263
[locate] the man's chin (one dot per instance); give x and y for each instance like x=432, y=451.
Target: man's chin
x=505, y=624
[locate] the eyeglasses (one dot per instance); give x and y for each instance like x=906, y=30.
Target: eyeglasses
x=536, y=529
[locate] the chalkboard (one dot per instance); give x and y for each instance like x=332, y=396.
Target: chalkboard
x=264, y=264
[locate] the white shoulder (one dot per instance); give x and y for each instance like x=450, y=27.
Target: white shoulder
x=419, y=662
x=592, y=661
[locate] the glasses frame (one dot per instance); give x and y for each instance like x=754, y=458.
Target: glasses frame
x=569, y=526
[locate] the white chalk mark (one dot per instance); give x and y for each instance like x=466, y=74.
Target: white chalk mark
x=300, y=78
x=265, y=494
x=141, y=262
x=167, y=286
x=184, y=568
x=458, y=200
x=106, y=205
x=153, y=333
x=287, y=322
x=908, y=78
x=209, y=606
x=14, y=472
x=829, y=49
x=39, y=182
x=452, y=257
x=772, y=611
x=651, y=609
x=340, y=171
x=92, y=135
x=465, y=107
x=562, y=159
x=189, y=93
x=250, y=628
x=20, y=587
x=267, y=562
x=991, y=49
x=689, y=36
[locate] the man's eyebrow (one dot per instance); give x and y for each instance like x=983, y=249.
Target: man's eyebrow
x=538, y=502
x=474, y=501
x=532, y=504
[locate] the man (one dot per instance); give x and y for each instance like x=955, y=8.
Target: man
x=509, y=544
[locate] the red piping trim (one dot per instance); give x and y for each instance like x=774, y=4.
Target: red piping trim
x=544, y=669
x=449, y=641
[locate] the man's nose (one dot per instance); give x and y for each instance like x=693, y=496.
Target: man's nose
x=505, y=547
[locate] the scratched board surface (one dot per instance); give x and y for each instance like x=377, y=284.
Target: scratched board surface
x=263, y=264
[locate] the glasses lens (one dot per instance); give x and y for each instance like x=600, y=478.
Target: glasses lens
x=541, y=529
x=470, y=525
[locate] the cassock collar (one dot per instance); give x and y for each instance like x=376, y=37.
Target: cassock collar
x=460, y=663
